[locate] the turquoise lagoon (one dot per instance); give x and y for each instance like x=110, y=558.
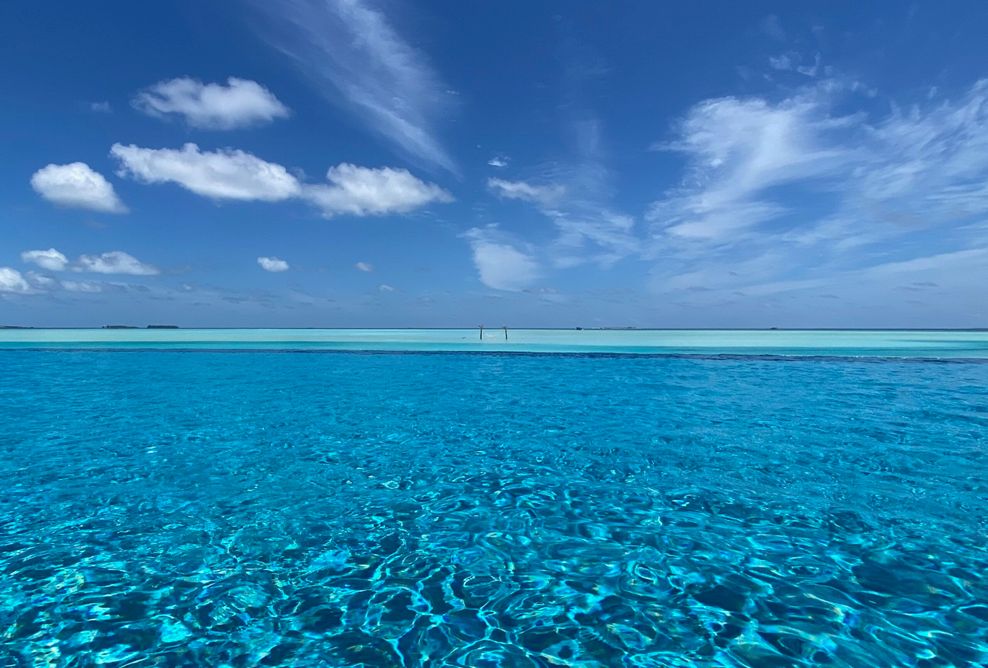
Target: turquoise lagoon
x=894, y=343
x=365, y=497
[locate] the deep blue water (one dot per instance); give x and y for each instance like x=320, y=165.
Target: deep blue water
x=240, y=509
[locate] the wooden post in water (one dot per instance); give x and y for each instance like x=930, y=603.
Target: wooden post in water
x=481, y=332
x=505, y=332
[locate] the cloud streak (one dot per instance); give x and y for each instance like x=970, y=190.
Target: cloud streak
x=355, y=58
x=788, y=196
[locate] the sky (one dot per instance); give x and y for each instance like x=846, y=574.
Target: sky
x=388, y=163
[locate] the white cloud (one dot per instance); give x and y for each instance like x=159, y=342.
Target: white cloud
x=237, y=175
x=791, y=61
x=240, y=103
x=50, y=259
x=273, y=264
x=928, y=166
x=739, y=149
x=575, y=195
x=588, y=230
x=384, y=287
x=81, y=286
x=12, y=280
x=114, y=262
x=364, y=266
x=40, y=280
x=785, y=62
x=498, y=161
x=543, y=195
x=810, y=70
x=501, y=265
x=76, y=185
x=788, y=196
x=100, y=107
x=353, y=55
x=364, y=191
x=222, y=174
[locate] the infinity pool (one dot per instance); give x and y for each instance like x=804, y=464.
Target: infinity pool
x=475, y=509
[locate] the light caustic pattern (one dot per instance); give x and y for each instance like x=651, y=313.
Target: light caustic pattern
x=263, y=508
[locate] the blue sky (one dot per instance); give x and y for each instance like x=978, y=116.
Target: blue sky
x=365, y=163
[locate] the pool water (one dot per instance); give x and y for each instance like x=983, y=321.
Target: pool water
x=476, y=509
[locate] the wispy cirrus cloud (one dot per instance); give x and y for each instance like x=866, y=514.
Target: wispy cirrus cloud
x=575, y=194
x=791, y=196
x=747, y=155
x=739, y=149
x=545, y=195
x=355, y=57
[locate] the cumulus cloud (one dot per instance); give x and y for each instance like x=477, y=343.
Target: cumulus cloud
x=76, y=185
x=364, y=266
x=213, y=106
x=222, y=174
x=354, y=56
x=237, y=175
x=273, y=264
x=498, y=161
x=50, y=259
x=114, y=262
x=543, y=195
x=364, y=191
x=501, y=265
x=12, y=281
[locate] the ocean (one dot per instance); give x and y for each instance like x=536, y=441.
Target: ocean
x=428, y=498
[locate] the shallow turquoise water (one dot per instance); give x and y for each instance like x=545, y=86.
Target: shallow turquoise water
x=952, y=344
x=276, y=508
